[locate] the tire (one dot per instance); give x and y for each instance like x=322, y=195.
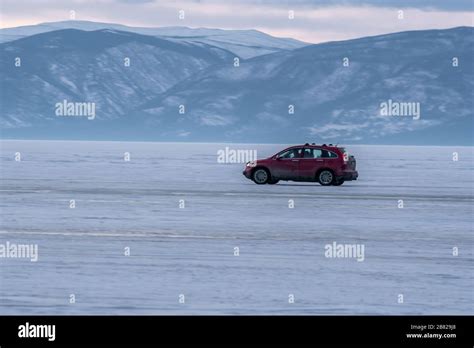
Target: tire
x=326, y=177
x=338, y=182
x=273, y=181
x=261, y=176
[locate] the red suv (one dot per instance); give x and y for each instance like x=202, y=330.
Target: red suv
x=326, y=164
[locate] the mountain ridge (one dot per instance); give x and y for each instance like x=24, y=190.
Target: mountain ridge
x=250, y=103
x=244, y=43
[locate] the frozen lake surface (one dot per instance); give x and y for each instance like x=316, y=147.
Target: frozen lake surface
x=190, y=250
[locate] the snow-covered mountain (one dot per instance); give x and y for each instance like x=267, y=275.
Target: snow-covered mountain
x=115, y=70
x=243, y=43
x=178, y=90
x=333, y=101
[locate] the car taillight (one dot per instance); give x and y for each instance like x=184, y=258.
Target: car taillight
x=345, y=154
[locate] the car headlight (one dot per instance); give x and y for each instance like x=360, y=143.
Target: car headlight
x=251, y=164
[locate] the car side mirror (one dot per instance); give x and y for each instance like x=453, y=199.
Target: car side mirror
x=278, y=158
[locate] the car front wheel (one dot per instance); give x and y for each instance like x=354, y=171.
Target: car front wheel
x=326, y=177
x=260, y=176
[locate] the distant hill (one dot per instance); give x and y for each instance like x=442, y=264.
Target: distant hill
x=243, y=43
x=91, y=66
x=248, y=103
x=333, y=102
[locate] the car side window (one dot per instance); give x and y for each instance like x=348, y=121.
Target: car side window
x=317, y=153
x=292, y=153
x=308, y=153
x=328, y=154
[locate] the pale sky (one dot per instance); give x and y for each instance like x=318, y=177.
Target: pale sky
x=314, y=20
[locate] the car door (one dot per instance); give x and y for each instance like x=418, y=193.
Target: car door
x=286, y=163
x=309, y=165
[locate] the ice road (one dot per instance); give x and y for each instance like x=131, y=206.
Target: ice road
x=173, y=231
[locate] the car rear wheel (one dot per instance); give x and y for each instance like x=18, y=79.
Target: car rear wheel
x=261, y=176
x=326, y=177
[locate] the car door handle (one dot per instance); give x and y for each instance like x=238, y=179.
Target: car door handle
x=319, y=160
x=294, y=160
